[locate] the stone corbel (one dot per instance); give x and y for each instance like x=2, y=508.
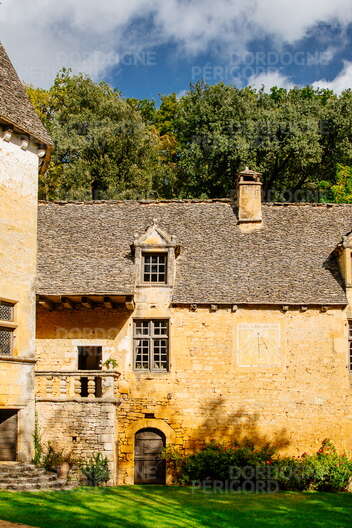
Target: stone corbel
x=41, y=152
x=7, y=134
x=24, y=143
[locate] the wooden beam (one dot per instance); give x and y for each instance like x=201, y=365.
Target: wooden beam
x=108, y=303
x=129, y=303
x=87, y=303
x=67, y=303
x=45, y=303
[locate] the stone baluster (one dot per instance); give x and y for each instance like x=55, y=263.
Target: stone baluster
x=91, y=387
x=49, y=386
x=63, y=387
x=56, y=386
x=70, y=387
x=77, y=387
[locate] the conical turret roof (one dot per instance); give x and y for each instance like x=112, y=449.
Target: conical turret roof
x=15, y=107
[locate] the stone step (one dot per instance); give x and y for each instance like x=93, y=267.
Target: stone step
x=32, y=486
x=18, y=480
x=27, y=477
x=16, y=465
x=19, y=474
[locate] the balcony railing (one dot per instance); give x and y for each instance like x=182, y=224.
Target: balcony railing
x=85, y=385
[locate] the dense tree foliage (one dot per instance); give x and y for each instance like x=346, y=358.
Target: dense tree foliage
x=192, y=146
x=103, y=148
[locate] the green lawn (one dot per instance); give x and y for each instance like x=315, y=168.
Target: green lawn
x=172, y=507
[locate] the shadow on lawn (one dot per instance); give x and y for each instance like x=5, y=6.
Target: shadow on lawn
x=176, y=507
x=172, y=507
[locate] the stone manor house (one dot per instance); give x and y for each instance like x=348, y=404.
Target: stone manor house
x=129, y=326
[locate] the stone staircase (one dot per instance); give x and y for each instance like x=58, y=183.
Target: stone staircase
x=28, y=477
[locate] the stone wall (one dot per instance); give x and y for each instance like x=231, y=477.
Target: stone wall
x=257, y=372
x=80, y=428
x=18, y=243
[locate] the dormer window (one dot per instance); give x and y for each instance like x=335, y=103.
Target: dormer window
x=155, y=255
x=155, y=267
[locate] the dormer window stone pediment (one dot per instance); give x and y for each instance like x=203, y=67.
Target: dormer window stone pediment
x=344, y=255
x=346, y=241
x=155, y=253
x=155, y=237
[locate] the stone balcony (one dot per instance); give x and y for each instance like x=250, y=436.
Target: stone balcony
x=77, y=386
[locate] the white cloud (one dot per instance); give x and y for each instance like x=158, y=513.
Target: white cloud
x=290, y=20
x=341, y=82
x=268, y=80
x=91, y=35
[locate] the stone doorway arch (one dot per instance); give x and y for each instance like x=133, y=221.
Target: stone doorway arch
x=149, y=467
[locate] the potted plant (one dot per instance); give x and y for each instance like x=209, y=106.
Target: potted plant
x=63, y=469
x=58, y=461
x=110, y=364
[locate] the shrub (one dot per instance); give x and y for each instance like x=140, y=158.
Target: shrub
x=37, y=440
x=330, y=471
x=244, y=464
x=291, y=474
x=52, y=458
x=96, y=470
x=175, y=461
x=325, y=470
x=216, y=462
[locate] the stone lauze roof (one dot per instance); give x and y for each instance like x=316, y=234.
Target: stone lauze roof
x=85, y=249
x=15, y=107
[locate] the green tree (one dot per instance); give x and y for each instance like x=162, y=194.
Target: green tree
x=103, y=149
x=145, y=107
x=108, y=147
x=220, y=129
x=342, y=190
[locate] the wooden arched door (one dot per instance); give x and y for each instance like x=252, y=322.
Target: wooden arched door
x=149, y=468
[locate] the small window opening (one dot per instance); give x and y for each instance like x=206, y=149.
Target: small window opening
x=155, y=267
x=6, y=340
x=6, y=311
x=90, y=358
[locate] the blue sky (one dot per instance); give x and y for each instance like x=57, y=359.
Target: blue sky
x=319, y=56
x=150, y=47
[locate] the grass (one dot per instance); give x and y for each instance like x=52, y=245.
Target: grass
x=173, y=507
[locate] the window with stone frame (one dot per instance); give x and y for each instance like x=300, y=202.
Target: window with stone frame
x=6, y=311
x=155, y=267
x=6, y=327
x=151, y=345
x=155, y=253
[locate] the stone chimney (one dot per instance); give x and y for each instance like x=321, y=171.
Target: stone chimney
x=249, y=200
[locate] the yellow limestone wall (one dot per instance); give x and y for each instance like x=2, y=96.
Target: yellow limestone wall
x=18, y=243
x=258, y=372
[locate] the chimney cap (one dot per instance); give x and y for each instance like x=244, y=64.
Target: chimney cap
x=249, y=175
